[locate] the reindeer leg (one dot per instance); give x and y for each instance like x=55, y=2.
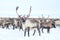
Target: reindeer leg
x=28, y=31
x=48, y=30
x=34, y=32
x=2, y=26
x=7, y=26
x=54, y=26
x=13, y=27
x=20, y=28
x=38, y=30
x=42, y=30
x=25, y=32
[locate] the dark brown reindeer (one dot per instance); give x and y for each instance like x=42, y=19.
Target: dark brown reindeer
x=1, y=22
x=14, y=23
x=47, y=25
x=6, y=23
x=17, y=24
x=37, y=26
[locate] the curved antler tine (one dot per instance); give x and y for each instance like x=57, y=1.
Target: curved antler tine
x=29, y=11
x=17, y=9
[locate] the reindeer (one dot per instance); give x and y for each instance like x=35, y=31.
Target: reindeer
x=16, y=24
x=6, y=23
x=1, y=22
x=24, y=18
x=28, y=24
x=47, y=25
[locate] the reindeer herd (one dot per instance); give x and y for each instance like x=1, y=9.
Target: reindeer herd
x=26, y=24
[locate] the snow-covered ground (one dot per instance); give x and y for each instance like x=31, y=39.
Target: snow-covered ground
x=10, y=34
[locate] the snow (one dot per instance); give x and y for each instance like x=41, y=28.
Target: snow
x=10, y=34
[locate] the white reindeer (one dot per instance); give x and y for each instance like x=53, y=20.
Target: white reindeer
x=27, y=23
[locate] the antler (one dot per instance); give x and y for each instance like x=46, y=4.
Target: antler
x=17, y=9
x=29, y=11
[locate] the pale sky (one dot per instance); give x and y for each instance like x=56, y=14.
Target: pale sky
x=39, y=7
